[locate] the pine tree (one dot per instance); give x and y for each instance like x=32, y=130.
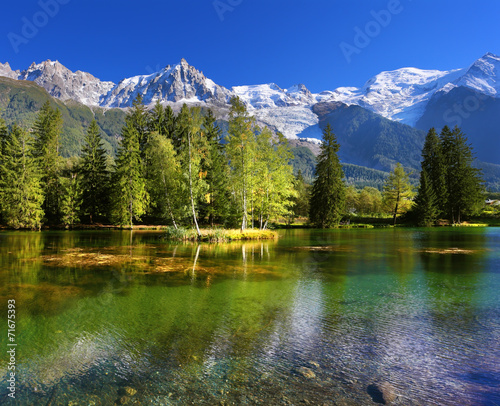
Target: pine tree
x=328, y=191
x=47, y=131
x=130, y=198
x=464, y=183
x=21, y=193
x=398, y=192
x=426, y=202
x=94, y=174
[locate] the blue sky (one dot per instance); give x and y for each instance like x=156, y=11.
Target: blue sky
x=323, y=44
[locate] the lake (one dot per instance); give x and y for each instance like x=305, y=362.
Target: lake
x=336, y=317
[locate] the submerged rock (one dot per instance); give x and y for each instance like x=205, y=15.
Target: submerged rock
x=306, y=373
x=383, y=393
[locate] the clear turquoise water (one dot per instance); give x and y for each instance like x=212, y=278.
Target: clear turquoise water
x=98, y=312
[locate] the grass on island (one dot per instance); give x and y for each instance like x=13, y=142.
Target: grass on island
x=218, y=234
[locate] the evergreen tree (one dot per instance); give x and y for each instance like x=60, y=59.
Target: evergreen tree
x=71, y=199
x=139, y=119
x=398, y=192
x=47, y=131
x=426, y=202
x=464, y=183
x=130, y=198
x=3, y=142
x=4, y=133
x=94, y=174
x=434, y=166
x=328, y=191
x=157, y=120
x=21, y=191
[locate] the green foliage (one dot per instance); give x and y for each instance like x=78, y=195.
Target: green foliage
x=217, y=206
x=94, y=174
x=371, y=140
x=21, y=193
x=164, y=179
x=360, y=176
x=304, y=162
x=464, y=183
x=241, y=149
x=328, y=192
x=426, y=202
x=398, y=192
x=273, y=191
x=130, y=198
x=301, y=198
x=47, y=131
x=71, y=199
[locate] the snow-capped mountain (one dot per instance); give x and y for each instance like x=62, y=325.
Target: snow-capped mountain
x=64, y=84
x=177, y=83
x=483, y=76
x=401, y=95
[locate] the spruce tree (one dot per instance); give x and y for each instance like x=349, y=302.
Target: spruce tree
x=71, y=199
x=398, y=192
x=464, y=183
x=139, y=119
x=47, y=131
x=21, y=191
x=94, y=175
x=3, y=142
x=434, y=166
x=3, y=135
x=130, y=198
x=426, y=202
x=328, y=191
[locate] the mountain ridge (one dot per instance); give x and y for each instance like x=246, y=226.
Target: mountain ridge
x=399, y=95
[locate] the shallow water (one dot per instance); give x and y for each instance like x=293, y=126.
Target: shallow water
x=317, y=316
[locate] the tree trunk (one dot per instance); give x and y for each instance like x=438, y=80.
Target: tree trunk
x=191, y=189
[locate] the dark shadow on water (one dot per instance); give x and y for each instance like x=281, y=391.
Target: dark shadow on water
x=375, y=393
